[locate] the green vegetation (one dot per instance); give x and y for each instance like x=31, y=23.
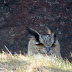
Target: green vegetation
x=21, y=63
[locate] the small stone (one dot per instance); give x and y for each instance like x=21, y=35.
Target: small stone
x=44, y=9
x=2, y=19
x=59, y=32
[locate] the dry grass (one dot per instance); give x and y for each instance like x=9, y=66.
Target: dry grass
x=21, y=63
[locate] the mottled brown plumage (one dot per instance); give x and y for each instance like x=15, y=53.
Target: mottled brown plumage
x=43, y=44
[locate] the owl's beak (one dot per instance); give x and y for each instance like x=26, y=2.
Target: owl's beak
x=47, y=48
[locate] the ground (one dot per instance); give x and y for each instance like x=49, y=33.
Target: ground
x=21, y=63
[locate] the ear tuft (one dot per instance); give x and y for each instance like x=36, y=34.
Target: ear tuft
x=48, y=30
x=33, y=33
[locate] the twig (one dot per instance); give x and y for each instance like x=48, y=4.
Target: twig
x=8, y=50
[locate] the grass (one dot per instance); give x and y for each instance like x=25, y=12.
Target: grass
x=21, y=63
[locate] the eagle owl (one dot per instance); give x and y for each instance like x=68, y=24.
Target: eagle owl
x=43, y=44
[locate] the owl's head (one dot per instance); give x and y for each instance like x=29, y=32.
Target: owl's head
x=48, y=40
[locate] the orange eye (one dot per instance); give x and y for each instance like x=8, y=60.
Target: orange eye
x=39, y=44
x=53, y=45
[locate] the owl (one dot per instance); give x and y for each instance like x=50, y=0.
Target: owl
x=43, y=44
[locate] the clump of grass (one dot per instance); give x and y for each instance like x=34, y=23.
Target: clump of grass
x=21, y=63
x=46, y=64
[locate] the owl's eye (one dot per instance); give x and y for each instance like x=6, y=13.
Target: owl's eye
x=40, y=44
x=53, y=45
